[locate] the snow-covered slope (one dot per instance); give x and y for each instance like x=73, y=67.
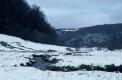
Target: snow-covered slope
x=9, y=43
x=15, y=51
x=7, y=38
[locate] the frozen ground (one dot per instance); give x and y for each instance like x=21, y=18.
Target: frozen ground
x=95, y=58
x=15, y=51
x=27, y=73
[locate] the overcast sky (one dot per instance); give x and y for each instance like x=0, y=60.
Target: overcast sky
x=80, y=13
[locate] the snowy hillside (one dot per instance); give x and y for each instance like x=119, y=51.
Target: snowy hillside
x=24, y=60
x=13, y=43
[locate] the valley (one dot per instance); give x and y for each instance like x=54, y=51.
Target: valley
x=35, y=61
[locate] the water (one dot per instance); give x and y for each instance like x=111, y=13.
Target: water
x=40, y=64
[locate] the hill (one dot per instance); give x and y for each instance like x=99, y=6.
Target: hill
x=103, y=36
x=18, y=18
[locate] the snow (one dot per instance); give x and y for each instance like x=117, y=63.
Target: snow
x=37, y=46
x=28, y=73
x=7, y=38
x=17, y=42
x=95, y=58
x=70, y=30
x=11, y=58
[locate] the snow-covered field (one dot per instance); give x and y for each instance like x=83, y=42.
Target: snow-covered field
x=27, y=73
x=95, y=58
x=15, y=51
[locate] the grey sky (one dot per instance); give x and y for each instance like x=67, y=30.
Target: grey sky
x=80, y=13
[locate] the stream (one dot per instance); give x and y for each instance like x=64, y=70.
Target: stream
x=40, y=64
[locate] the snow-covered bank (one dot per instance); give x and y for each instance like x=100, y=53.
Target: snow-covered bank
x=28, y=73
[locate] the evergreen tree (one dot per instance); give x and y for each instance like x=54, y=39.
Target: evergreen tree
x=19, y=19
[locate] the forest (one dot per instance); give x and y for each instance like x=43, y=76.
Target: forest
x=18, y=18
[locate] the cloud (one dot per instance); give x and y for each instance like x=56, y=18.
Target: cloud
x=116, y=15
x=80, y=13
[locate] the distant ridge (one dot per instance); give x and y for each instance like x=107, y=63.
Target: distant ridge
x=103, y=36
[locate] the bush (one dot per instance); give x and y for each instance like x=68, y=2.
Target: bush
x=6, y=45
x=108, y=68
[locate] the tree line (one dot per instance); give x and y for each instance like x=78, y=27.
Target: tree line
x=18, y=18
